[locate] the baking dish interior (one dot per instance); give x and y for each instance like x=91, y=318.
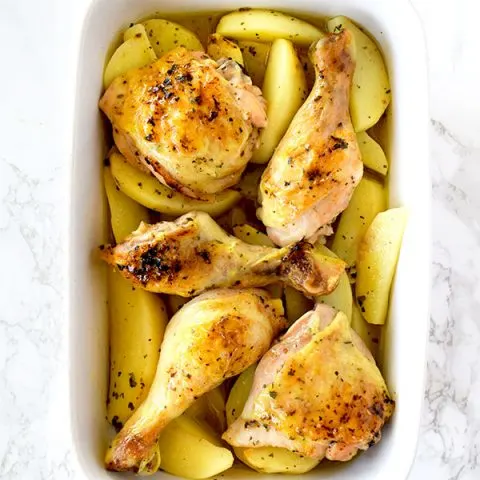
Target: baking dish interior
x=396, y=28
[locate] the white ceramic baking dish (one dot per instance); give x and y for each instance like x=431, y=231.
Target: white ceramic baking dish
x=396, y=28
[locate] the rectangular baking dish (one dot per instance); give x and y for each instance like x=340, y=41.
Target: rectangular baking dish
x=396, y=27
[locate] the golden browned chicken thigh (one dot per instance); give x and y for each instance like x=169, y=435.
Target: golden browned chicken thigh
x=317, y=164
x=194, y=254
x=213, y=337
x=190, y=121
x=317, y=392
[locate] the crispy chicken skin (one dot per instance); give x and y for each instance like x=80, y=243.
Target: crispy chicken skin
x=194, y=254
x=190, y=121
x=317, y=165
x=213, y=337
x=317, y=392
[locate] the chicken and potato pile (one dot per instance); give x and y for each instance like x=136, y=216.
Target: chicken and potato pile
x=225, y=182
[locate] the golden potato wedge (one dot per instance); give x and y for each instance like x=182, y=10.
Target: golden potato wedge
x=148, y=191
x=249, y=234
x=265, y=26
x=376, y=263
x=262, y=459
x=373, y=156
x=277, y=460
x=370, y=334
x=368, y=199
x=284, y=89
x=210, y=408
x=296, y=304
x=135, y=52
x=341, y=298
x=165, y=35
x=125, y=213
x=370, y=93
x=220, y=47
x=188, y=449
x=255, y=57
x=137, y=321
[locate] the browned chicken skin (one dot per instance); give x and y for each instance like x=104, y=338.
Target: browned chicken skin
x=317, y=392
x=213, y=337
x=317, y=164
x=194, y=254
x=191, y=122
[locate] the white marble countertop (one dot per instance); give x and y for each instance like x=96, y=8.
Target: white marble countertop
x=34, y=166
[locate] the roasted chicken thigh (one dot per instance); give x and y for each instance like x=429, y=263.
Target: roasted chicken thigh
x=190, y=121
x=317, y=392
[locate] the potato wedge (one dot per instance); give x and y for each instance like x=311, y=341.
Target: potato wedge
x=262, y=459
x=368, y=199
x=188, y=449
x=125, y=213
x=148, y=191
x=137, y=321
x=296, y=304
x=341, y=298
x=376, y=263
x=210, y=408
x=255, y=56
x=248, y=234
x=277, y=460
x=370, y=93
x=135, y=52
x=284, y=89
x=220, y=47
x=373, y=156
x=267, y=25
x=370, y=334
x=165, y=35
